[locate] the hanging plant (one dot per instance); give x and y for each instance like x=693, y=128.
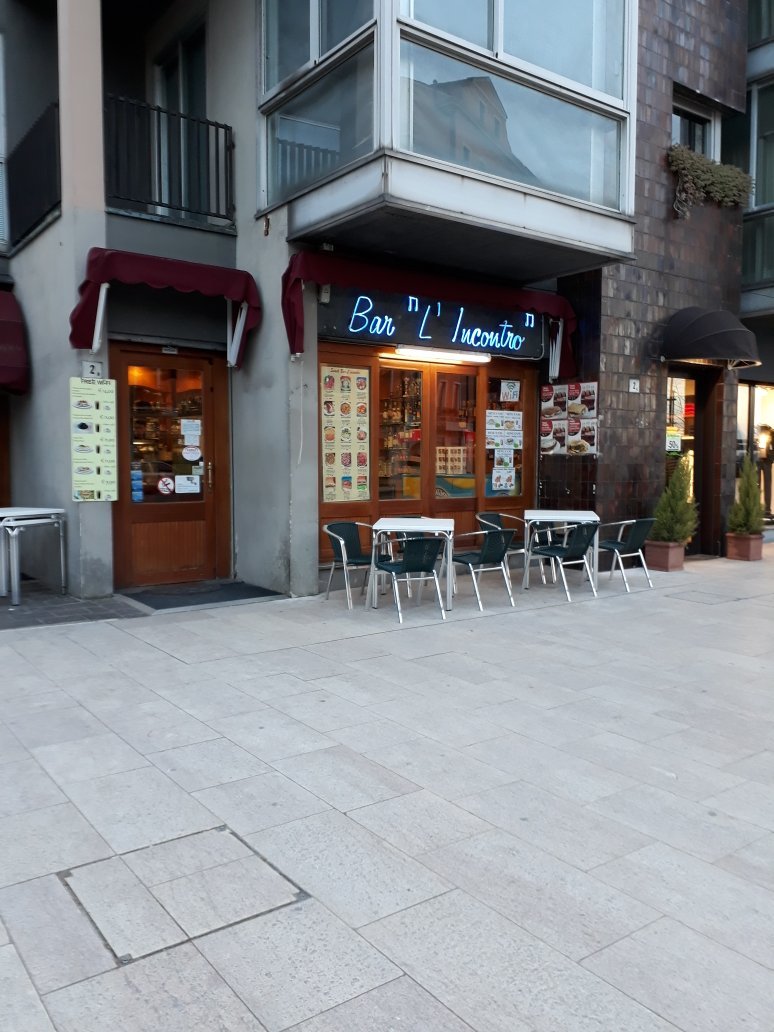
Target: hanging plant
x=700, y=179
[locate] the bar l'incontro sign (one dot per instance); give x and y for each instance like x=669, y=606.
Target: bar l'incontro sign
x=376, y=317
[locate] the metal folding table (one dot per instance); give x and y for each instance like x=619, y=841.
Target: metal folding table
x=12, y=522
x=413, y=525
x=562, y=517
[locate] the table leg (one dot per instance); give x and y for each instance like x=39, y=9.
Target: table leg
x=13, y=556
x=3, y=562
x=62, y=556
x=449, y=572
x=595, y=561
x=527, y=544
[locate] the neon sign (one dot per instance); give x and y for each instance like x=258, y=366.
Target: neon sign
x=376, y=317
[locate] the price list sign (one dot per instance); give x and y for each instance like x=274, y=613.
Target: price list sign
x=93, y=450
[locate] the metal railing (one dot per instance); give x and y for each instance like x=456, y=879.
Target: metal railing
x=34, y=182
x=166, y=163
x=298, y=164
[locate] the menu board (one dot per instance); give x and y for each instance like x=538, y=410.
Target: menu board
x=344, y=428
x=93, y=450
x=568, y=419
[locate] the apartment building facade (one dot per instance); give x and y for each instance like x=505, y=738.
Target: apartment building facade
x=355, y=259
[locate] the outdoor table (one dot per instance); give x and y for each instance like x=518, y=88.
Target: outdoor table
x=12, y=522
x=412, y=525
x=562, y=517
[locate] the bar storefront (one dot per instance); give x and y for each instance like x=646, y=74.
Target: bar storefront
x=429, y=390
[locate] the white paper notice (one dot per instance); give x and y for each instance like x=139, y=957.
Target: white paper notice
x=187, y=485
x=191, y=427
x=510, y=390
x=191, y=440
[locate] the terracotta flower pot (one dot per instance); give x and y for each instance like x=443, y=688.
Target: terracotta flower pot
x=744, y=546
x=664, y=555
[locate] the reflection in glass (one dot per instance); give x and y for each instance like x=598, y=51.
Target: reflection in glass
x=579, y=39
x=325, y=127
x=286, y=39
x=400, y=433
x=340, y=18
x=681, y=421
x=159, y=401
x=455, y=436
x=471, y=20
x=456, y=113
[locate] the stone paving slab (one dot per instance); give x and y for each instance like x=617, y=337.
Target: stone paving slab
x=497, y=823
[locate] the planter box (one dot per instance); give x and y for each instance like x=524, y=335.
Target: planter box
x=744, y=546
x=664, y=555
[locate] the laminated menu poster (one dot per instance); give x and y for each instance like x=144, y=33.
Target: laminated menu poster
x=553, y=436
x=344, y=426
x=582, y=436
x=93, y=449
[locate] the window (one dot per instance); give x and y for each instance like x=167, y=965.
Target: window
x=449, y=111
x=696, y=126
x=764, y=165
x=589, y=49
x=760, y=15
x=299, y=31
x=581, y=40
x=471, y=21
x=323, y=128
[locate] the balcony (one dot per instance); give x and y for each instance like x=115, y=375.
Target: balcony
x=168, y=165
x=758, y=249
x=34, y=186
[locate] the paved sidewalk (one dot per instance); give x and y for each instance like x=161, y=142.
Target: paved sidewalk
x=558, y=818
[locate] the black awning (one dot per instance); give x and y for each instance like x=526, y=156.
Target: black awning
x=713, y=337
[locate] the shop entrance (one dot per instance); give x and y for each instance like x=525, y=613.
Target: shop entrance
x=406, y=438
x=172, y=522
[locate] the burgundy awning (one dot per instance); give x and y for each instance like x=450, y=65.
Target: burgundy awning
x=105, y=266
x=14, y=357
x=320, y=267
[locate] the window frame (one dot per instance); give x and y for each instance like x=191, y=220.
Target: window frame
x=696, y=111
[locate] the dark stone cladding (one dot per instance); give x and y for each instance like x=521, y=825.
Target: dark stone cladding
x=700, y=46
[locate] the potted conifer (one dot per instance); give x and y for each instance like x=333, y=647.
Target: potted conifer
x=675, y=521
x=744, y=539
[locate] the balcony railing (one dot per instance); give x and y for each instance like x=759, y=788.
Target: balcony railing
x=34, y=185
x=758, y=249
x=298, y=164
x=167, y=164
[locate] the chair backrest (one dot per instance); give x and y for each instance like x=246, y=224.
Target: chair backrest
x=495, y=545
x=420, y=554
x=489, y=520
x=638, y=532
x=541, y=533
x=579, y=540
x=350, y=533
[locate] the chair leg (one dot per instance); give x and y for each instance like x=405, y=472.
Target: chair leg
x=623, y=572
x=475, y=587
x=397, y=597
x=507, y=580
x=330, y=578
x=438, y=593
x=645, y=568
x=591, y=579
x=564, y=580
x=366, y=575
x=346, y=585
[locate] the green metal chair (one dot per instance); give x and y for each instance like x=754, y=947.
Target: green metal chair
x=572, y=553
x=541, y=534
x=416, y=563
x=628, y=545
x=348, y=553
x=492, y=555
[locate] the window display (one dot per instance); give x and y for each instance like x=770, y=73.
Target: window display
x=400, y=433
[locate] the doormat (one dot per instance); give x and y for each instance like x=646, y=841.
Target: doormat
x=203, y=593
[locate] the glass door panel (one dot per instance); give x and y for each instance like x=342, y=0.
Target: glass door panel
x=455, y=435
x=681, y=427
x=166, y=434
x=504, y=438
x=400, y=433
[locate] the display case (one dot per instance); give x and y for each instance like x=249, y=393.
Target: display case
x=400, y=433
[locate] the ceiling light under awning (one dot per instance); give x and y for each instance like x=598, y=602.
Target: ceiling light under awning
x=439, y=356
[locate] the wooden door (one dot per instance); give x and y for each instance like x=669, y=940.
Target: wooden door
x=172, y=520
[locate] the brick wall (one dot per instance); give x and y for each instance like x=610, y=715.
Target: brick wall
x=700, y=45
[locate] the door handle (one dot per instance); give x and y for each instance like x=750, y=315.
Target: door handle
x=209, y=475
